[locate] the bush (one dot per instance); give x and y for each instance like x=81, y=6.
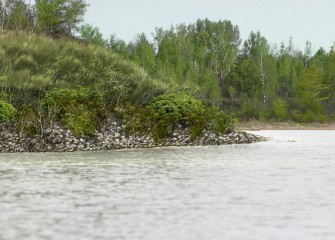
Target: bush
x=28, y=119
x=7, y=112
x=169, y=111
x=80, y=122
x=82, y=110
x=218, y=121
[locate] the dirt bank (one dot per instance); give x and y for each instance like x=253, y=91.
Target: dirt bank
x=256, y=125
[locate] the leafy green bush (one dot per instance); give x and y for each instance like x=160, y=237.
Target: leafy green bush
x=218, y=121
x=80, y=110
x=7, y=112
x=169, y=111
x=81, y=122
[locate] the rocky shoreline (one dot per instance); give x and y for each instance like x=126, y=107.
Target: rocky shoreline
x=111, y=137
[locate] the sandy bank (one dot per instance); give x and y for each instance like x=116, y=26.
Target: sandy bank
x=254, y=125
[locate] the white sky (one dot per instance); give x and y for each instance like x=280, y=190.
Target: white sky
x=277, y=20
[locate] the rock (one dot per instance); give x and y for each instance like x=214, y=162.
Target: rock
x=56, y=139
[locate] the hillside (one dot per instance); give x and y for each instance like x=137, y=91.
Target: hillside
x=80, y=86
x=31, y=65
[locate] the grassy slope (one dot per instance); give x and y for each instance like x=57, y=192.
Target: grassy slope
x=31, y=65
x=79, y=85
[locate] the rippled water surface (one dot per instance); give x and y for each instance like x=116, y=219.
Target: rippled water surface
x=280, y=189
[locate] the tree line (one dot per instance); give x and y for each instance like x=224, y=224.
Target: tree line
x=251, y=77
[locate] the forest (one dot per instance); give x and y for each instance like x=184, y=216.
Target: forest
x=249, y=77
x=55, y=67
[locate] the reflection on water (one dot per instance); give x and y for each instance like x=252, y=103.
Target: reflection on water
x=281, y=189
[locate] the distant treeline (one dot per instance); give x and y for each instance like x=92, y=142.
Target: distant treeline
x=249, y=77
x=205, y=59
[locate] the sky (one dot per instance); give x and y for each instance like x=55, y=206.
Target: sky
x=277, y=20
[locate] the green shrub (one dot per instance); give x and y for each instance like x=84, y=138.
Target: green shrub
x=81, y=110
x=80, y=122
x=280, y=109
x=168, y=111
x=7, y=112
x=220, y=122
x=28, y=120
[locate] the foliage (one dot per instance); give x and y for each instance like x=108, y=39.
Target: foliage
x=202, y=60
x=81, y=121
x=256, y=80
x=92, y=35
x=59, y=17
x=170, y=111
x=33, y=65
x=29, y=119
x=7, y=112
x=81, y=110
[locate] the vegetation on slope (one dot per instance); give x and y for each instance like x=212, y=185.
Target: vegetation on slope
x=51, y=76
x=79, y=85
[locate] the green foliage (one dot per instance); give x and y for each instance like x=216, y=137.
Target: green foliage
x=142, y=52
x=7, y=112
x=80, y=110
x=59, y=17
x=310, y=90
x=19, y=16
x=170, y=111
x=81, y=121
x=218, y=121
x=249, y=110
x=33, y=65
x=280, y=109
x=29, y=119
x=91, y=34
x=203, y=59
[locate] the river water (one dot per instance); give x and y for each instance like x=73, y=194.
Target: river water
x=280, y=189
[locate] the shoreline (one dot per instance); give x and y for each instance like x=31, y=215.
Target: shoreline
x=255, y=125
x=113, y=137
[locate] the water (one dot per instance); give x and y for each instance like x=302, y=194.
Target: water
x=281, y=189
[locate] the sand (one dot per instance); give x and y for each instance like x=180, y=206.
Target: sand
x=254, y=125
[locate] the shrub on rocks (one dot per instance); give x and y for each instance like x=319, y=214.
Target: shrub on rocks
x=7, y=112
x=81, y=110
x=170, y=111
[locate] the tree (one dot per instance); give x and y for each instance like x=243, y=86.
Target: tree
x=59, y=17
x=224, y=41
x=3, y=12
x=119, y=46
x=256, y=69
x=330, y=80
x=92, y=35
x=143, y=53
x=19, y=16
x=170, y=61
x=310, y=94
